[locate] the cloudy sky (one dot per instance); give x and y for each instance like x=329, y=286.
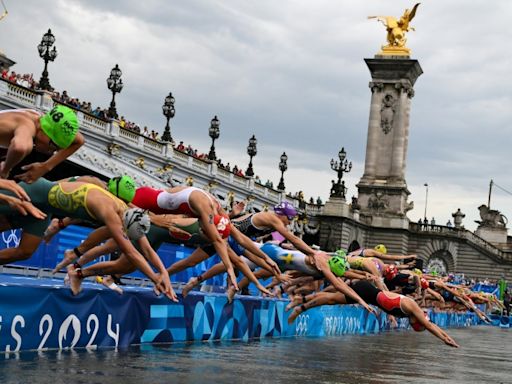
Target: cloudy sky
x=292, y=73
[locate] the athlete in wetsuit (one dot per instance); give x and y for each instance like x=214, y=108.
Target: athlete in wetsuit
x=254, y=225
x=85, y=201
x=193, y=202
x=390, y=302
x=23, y=130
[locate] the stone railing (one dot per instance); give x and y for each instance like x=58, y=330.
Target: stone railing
x=157, y=154
x=462, y=233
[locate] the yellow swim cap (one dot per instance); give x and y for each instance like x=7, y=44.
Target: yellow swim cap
x=381, y=248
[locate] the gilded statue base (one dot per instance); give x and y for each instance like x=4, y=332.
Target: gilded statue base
x=388, y=50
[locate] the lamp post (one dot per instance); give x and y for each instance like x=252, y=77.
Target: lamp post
x=47, y=54
x=251, y=151
x=214, y=133
x=115, y=84
x=344, y=166
x=282, y=167
x=426, y=200
x=168, y=111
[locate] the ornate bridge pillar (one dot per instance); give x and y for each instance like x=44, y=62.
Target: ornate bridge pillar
x=382, y=189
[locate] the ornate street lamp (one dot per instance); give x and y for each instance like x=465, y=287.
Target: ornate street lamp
x=426, y=201
x=282, y=167
x=47, y=54
x=214, y=132
x=338, y=188
x=115, y=84
x=168, y=111
x=251, y=151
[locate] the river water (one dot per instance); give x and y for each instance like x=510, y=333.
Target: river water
x=393, y=357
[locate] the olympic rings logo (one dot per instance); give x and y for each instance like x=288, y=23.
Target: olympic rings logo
x=301, y=325
x=11, y=237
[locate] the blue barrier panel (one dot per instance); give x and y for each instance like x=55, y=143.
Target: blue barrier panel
x=49, y=255
x=41, y=313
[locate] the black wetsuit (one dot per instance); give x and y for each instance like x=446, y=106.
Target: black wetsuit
x=374, y=296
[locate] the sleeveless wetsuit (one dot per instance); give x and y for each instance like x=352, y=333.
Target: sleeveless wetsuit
x=159, y=235
x=289, y=260
x=161, y=202
x=247, y=227
x=374, y=296
x=356, y=262
x=74, y=203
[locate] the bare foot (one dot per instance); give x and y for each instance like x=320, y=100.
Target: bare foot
x=231, y=293
x=69, y=257
x=51, y=231
x=296, y=300
x=192, y=282
x=75, y=283
x=108, y=282
x=295, y=313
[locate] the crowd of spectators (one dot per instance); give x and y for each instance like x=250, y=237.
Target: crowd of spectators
x=26, y=80
x=190, y=151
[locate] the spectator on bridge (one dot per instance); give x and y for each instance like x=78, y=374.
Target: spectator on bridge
x=449, y=224
x=181, y=147
x=432, y=222
x=145, y=131
x=319, y=201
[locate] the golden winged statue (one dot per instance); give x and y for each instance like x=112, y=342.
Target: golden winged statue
x=4, y=13
x=396, y=30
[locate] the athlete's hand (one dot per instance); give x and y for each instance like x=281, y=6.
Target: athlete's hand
x=368, y=308
x=12, y=186
x=284, y=278
x=449, y=341
x=392, y=321
x=232, y=278
x=237, y=209
x=3, y=174
x=31, y=209
x=33, y=172
x=264, y=290
x=163, y=285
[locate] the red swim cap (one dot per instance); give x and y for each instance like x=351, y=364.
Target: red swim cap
x=417, y=326
x=424, y=283
x=223, y=225
x=390, y=272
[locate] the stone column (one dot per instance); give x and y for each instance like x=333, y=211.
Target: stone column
x=382, y=189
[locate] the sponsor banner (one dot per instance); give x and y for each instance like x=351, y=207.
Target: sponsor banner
x=41, y=314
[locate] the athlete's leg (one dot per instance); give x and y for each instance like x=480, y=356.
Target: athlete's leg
x=262, y=273
x=321, y=298
x=94, y=238
x=56, y=225
x=370, y=266
x=123, y=265
x=26, y=248
x=195, y=258
x=217, y=269
x=239, y=264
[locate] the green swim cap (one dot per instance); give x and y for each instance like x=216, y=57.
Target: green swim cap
x=60, y=125
x=123, y=187
x=338, y=265
x=341, y=253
